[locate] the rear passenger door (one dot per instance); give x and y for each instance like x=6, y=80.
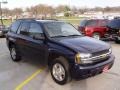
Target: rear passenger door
x=22, y=37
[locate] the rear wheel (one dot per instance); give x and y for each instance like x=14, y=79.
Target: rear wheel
x=15, y=55
x=96, y=35
x=60, y=71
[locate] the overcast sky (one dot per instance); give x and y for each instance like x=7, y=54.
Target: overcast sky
x=79, y=3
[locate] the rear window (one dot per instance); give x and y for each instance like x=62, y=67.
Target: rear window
x=83, y=22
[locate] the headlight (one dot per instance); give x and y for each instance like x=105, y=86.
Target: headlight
x=82, y=58
x=77, y=58
x=110, y=50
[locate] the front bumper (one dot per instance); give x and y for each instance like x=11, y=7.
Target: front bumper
x=81, y=72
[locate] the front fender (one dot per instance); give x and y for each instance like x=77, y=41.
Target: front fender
x=61, y=51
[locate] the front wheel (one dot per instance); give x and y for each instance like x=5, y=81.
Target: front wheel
x=60, y=71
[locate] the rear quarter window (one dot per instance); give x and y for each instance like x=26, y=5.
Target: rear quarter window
x=15, y=26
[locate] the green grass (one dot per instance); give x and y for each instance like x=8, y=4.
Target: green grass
x=72, y=17
x=7, y=22
x=72, y=20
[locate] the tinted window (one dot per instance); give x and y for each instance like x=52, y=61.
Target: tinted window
x=83, y=23
x=24, y=28
x=15, y=26
x=60, y=29
x=103, y=22
x=114, y=24
x=92, y=23
x=35, y=29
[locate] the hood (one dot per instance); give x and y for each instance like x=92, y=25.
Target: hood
x=84, y=44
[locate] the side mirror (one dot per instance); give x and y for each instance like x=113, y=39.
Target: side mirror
x=39, y=37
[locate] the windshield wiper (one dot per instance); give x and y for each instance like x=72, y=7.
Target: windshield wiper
x=75, y=35
x=58, y=36
x=66, y=36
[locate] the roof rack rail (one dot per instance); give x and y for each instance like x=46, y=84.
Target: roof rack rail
x=52, y=19
x=26, y=19
x=33, y=19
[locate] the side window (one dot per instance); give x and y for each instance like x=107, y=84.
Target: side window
x=35, y=29
x=15, y=26
x=24, y=28
x=92, y=23
x=103, y=23
x=83, y=23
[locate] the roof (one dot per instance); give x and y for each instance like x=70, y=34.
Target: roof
x=45, y=21
x=41, y=21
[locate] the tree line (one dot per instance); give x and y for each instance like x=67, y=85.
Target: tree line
x=49, y=10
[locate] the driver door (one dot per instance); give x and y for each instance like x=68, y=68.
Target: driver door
x=36, y=48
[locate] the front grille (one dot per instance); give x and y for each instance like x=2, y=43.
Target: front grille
x=101, y=60
x=100, y=56
x=100, y=53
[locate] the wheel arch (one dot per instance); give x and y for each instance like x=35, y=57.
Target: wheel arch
x=53, y=55
x=97, y=32
x=10, y=43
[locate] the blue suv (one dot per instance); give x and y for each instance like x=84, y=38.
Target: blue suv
x=66, y=51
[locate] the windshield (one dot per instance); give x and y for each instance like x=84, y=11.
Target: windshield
x=61, y=29
x=114, y=24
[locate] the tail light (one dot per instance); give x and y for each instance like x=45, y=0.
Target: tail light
x=87, y=30
x=81, y=29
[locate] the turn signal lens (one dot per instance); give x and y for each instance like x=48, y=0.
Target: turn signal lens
x=77, y=58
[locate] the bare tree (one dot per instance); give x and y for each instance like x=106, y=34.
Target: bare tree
x=41, y=9
x=17, y=12
x=60, y=8
x=6, y=12
x=83, y=10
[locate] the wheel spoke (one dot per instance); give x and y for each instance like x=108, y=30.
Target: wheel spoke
x=58, y=72
x=13, y=53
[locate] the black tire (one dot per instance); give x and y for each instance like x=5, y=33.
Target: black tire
x=63, y=62
x=117, y=41
x=96, y=35
x=17, y=56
